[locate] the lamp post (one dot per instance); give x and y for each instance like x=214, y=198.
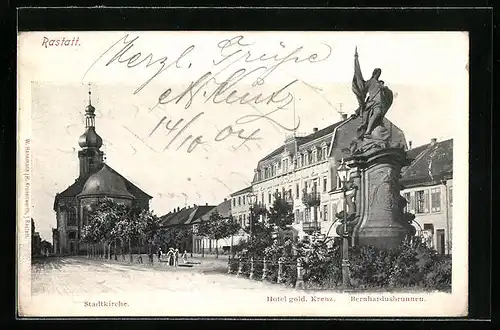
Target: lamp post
x=252, y=198
x=343, y=171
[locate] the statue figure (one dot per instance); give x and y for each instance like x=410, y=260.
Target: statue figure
x=351, y=216
x=406, y=218
x=374, y=99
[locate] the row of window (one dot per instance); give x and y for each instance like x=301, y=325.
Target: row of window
x=305, y=158
x=300, y=216
x=307, y=216
x=310, y=186
x=419, y=202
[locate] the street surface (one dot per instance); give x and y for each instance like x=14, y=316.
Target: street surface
x=81, y=275
x=83, y=287
x=80, y=286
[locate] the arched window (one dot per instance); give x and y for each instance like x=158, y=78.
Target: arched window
x=85, y=216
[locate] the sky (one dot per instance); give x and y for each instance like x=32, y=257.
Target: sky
x=427, y=73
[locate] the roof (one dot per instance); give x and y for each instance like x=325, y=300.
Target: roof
x=431, y=163
x=305, y=139
x=242, y=191
x=74, y=189
x=105, y=182
x=184, y=216
x=224, y=209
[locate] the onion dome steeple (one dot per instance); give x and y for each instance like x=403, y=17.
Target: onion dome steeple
x=90, y=139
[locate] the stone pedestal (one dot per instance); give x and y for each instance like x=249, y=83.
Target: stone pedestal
x=377, y=176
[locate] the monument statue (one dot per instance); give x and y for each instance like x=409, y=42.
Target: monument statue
x=374, y=99
x=377, y=158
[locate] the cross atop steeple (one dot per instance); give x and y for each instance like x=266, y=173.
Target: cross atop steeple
x=90, y=94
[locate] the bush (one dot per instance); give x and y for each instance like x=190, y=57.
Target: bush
x=439, y=276
x=412, y=264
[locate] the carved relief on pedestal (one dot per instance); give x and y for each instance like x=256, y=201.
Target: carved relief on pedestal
x=382, y=196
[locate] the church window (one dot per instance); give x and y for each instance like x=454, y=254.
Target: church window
x=85, y=216
x=71, y=217
x=72, y=235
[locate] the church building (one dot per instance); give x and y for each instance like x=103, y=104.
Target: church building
x=96, y=180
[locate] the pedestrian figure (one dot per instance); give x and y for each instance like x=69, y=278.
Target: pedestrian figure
x=184, y=257
x=159, y=254
x=176, y=257
x=151, y=254
x=170, y=256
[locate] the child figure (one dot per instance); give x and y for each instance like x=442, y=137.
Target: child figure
x=170, y=256
x=184, y=257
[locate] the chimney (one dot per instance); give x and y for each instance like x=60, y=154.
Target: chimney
x=409, y=144
x=315, y=129
x=178, y=208
x=433, y=141
x=225, y=199
x=194, y=205
x=344, y=116
x=206, y=204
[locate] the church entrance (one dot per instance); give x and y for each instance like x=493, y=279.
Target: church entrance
x=71, y=248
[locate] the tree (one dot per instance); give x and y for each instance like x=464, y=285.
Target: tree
x=150, y=225
x=88, y=236
x=103, y=220
x=218, y=228
x=280, y=213
x=173, y=236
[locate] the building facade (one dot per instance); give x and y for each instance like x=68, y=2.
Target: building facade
x=303, y=171
x=96, y=181
x=240, y=206
x=427, y=185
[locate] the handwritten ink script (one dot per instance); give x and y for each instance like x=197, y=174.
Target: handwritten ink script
x=238, y=76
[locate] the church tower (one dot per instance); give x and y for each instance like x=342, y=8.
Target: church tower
x=91, y=158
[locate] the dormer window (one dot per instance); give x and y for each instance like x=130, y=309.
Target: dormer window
x=314, y=153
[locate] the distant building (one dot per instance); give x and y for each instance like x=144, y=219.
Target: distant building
x=427, y=185
x=185, y=217
x=225, y=210
x=35, y=241
x=240, y=206
x=46, y=248
x=96, y=181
